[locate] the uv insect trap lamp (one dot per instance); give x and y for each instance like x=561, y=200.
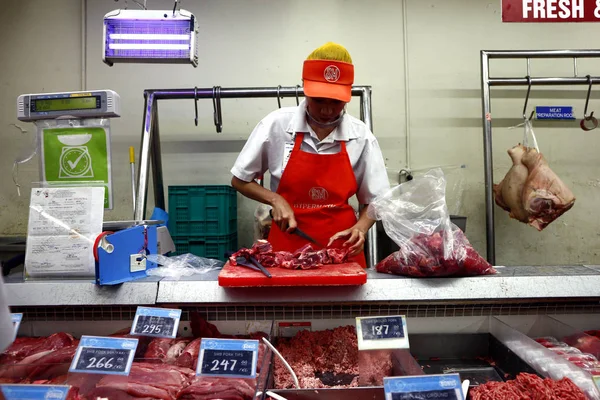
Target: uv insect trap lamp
x=150, y=36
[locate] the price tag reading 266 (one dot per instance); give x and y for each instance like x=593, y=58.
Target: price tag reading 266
x=382, y=333
x=157, y=322
x=104, y=355
x=228, y=357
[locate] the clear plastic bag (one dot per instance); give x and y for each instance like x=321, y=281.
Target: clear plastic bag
x=415, y=216
x=182, y=265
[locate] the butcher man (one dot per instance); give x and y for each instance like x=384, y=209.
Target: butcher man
x=318, y=157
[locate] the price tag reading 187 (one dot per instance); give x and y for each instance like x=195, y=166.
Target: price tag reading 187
x=158, y=322
x=382, y=333
x=228, y=357
x=103, y=355
x=425, y=387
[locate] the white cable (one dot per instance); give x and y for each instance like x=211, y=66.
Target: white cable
x=273, y=395
x=284, y=362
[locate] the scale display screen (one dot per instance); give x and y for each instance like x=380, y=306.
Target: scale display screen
x=66, y=104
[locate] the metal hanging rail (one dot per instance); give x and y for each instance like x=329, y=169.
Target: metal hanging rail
x=150, y=152
x=487, y=82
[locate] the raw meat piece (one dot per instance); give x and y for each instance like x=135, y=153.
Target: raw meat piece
x=53, y=364
x=423, y=256
x=545, y=196
x=585, y=343
x=204, y=388
x=148, y=380
x=23, y=367
x=528, y=386
x=25, y=347
x=509, y=191
x=158, y=349
x=189, y=357
x=202, y=328
x=304, y=258
x=19, y=349
x=531, y=191
x=176, y=350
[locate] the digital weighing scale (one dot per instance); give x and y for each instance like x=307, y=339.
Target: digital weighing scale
x=65, y=105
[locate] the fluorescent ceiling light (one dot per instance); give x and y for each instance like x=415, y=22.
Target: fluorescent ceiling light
x=148, y=46
x=147, y=36
x=150, y=36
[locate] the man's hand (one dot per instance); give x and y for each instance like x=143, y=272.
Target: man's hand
x=355, y=242
x=283, y=215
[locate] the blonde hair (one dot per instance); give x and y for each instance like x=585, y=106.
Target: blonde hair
x=331, y=51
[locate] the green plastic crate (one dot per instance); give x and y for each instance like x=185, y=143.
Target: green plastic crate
x=202, y=210
x=206, y=246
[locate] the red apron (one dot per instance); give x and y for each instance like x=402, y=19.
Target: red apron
x=317, y=187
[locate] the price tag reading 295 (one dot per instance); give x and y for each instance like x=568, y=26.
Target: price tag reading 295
x=228, y=357
x=158, y=322
x=102, y=355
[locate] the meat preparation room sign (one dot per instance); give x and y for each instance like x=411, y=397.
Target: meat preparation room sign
x=550, y=10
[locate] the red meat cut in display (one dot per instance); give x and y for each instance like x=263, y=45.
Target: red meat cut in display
x=25, y=347
x=203, y=388
x=528, y=386
x=423, y=256
x=305, y=257
x=54, y=364
x=190, y=354
x=166, y=350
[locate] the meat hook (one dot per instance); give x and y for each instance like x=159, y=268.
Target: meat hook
x=217, y=108
x=527, y=100
x=278, y=99
x=588, y=118
x=196, y=104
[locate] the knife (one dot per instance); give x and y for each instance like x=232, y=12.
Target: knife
x=297, y=231
x=303, y=235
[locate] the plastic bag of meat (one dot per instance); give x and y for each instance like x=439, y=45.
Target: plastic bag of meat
x=415, y=216
x=531, y=192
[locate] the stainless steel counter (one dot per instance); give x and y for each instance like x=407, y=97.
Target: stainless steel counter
x=511, y=284
x=79, y=292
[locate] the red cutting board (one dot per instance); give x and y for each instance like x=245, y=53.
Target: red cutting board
x=349, y=274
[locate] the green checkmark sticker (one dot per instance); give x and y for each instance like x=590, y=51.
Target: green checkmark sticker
x=77, y=157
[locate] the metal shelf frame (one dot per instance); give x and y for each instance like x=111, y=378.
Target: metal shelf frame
x=487, y=82
x=150, y=149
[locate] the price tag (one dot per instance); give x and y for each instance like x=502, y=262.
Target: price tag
x=424, y=387
x=34, y=392
x=103, y=355
x=157, y=322
x=231, y=358
x=16, y=320
x=376, y=333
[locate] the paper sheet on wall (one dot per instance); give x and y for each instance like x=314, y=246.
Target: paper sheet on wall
x=63, y=225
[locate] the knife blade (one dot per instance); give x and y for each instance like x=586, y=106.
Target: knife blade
x=303, y=235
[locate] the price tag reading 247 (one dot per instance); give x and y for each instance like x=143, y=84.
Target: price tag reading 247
x=104, y=355
x=382, y=333
x=230, y=358
x=157, y=322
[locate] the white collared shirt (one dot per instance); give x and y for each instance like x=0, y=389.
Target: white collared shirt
x=266, y=146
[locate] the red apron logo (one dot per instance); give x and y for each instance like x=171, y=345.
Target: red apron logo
x=332, y=73
x=318, y=194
